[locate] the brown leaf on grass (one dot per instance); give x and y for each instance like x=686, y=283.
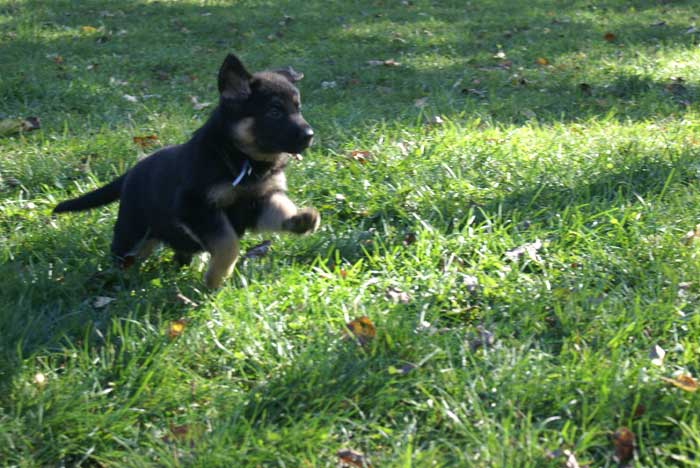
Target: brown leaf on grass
x=179, y=432
x=258, y=251
x=176, y=328
x=146, y=140
x=360, y=156
x=88, y=29
x=56, y=58
x=363, y=329
x=692, y=236
x=348, y=457
x=542, y=61
x=684, y=382
x=396, y=295
x=18, y=125
x=623, y=440
x=608, y=36
x=639, y=411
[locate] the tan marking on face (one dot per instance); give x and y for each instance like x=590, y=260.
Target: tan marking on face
x=243, y=131
x=224, y=251
x=245, y=140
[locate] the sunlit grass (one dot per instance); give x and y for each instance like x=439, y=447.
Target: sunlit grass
x=602, y=179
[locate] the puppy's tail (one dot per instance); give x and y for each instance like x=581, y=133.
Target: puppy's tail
x=102, y=196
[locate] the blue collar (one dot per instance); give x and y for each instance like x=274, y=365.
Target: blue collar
x=245, y=170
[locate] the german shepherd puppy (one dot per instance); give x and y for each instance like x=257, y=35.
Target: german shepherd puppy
x=228, y=178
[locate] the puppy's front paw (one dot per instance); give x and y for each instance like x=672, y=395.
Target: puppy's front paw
x=306, y=220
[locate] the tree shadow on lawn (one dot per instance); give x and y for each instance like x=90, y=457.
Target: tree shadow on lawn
x=166, y=43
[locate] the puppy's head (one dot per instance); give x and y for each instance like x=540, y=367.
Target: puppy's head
x=263, y=110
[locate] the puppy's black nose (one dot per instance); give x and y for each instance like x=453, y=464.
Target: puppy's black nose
x=307, y=134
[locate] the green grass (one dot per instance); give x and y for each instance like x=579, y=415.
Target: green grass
x=606, y=176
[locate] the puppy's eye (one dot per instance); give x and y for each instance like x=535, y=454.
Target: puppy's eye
x=274, y=113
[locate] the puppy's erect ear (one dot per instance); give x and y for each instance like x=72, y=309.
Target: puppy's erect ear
x=234, y=79
x=291, y=74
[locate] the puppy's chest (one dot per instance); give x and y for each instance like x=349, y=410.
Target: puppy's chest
x=225, y=194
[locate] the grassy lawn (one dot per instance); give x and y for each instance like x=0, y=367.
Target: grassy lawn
x=507, y=201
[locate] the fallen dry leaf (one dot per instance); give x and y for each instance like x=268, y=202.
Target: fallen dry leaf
x=471, y=283
x=259, y=250
x=57, y=59
x=403, y=370
x=684, y=382
x=394, y=294
x=386, y=63
x=542, y=61
x=608, y=36
x=18, y=125
x=185, y=300
x=475, y=92
x=623, y=440
x=692, y=236
x=360, y=156
x=527, y=251
x=146, y=140
x=102, y=301
x=196, y=105
x=421, y=103
x=175, y=328
x=363, y=329
x=348, y=457
x=409, y=239
x=435, y=120
x=567, y=458
x=88, y=29
x=481, y=339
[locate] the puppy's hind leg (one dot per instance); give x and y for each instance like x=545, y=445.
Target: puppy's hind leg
x=130, y=241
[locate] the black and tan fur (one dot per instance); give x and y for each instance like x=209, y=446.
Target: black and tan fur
x=183, y=195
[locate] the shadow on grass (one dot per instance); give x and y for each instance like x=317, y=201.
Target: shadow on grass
x=160, y=48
